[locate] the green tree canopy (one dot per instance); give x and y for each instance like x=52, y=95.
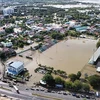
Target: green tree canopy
x=72, y=33
x=78, y=75
x=9, y=30
x=48, y=78
x=94, y=81
x=59, y=80
x=86, y=87
x=77, y=85
x=72, y=77
x=58, y=36
x=21, y=45
x=2, y=56
x=68, y=85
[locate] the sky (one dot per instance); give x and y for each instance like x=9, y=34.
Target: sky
x=91, y=1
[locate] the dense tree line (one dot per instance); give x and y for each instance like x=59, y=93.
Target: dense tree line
x=73, y=85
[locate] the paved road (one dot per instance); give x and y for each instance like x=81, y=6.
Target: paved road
x=27, y=94
x=15, y=95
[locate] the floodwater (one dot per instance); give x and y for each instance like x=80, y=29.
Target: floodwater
x=70, y=56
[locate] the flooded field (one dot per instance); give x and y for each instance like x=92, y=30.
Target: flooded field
x=71, y=56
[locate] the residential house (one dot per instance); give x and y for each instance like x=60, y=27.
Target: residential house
x=7, y=44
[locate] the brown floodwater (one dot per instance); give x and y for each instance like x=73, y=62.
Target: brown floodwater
x=70, y=56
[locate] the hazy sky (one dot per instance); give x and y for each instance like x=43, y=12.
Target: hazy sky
x=92, y=1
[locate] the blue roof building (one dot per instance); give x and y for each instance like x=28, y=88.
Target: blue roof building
x=15, y=68
x=82, y=28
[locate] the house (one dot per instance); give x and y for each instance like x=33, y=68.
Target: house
x=9, y=52
x=15, y=68
x=7, y=44
x=17, y=30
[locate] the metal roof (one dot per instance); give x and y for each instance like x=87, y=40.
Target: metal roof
x=95, y=56
x=16, y=64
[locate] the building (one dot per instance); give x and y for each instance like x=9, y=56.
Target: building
x=15, y=68
x=9, y=52
x=95, y=57
x=8, y=11
x=82, y=29
x=17, y=30
x=7, y=44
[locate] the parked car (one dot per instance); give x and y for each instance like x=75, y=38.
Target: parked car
x=64, y=93
x=37, y=89
x=83, y=96
x=48, y=90
x=77, y=96
x=32, y=89
x=73, y=94
x=88, y=97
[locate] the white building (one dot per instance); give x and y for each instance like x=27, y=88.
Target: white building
x=14, y=68
x=7, y=44
x=17, y=30
x=95, y=56
x=8, y=11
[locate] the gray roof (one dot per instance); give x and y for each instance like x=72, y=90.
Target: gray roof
x=16, y=64
x=95, y=56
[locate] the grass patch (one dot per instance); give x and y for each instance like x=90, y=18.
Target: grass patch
x=47, y=97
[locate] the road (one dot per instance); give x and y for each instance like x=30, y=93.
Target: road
x=38, y=95
x=24, y=95
x=20, y=96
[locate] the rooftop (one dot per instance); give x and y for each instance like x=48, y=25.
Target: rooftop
x=16, y=64
x=95, y=56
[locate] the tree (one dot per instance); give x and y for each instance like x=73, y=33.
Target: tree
x=85, y=87
x=9, y=30
x=72, y=77
x=68, y=85
x=94, y=81
x=59, y=80
x=21, y=45
x=98, y=44
x=77, y=85
x=48, y=78
x=2, y=56
x=56, y=35
x=78, y=75
x=72, y=33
